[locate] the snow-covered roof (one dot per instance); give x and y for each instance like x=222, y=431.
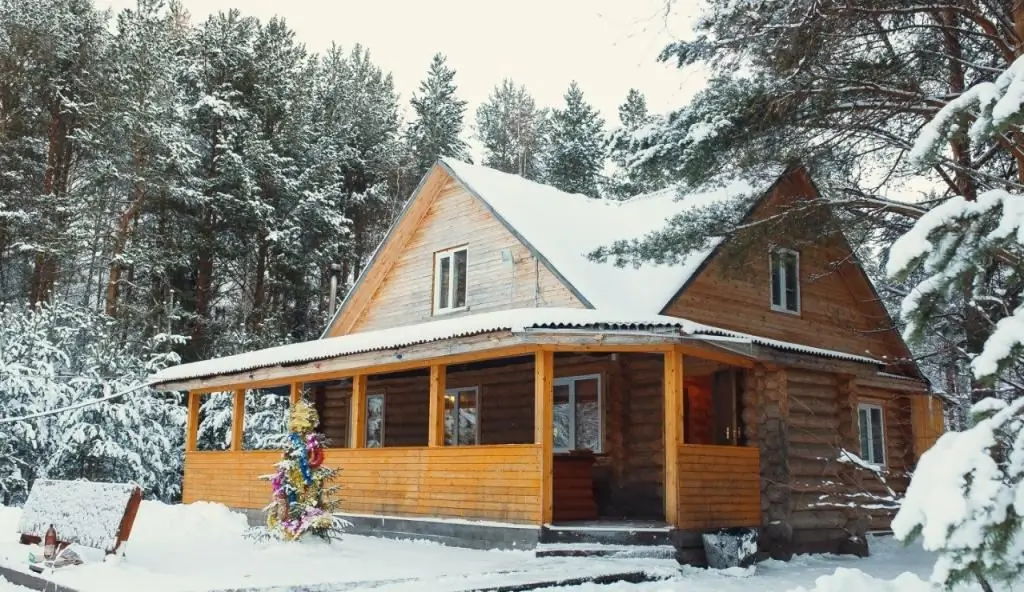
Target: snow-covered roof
x=564, y=228
x=523, y=320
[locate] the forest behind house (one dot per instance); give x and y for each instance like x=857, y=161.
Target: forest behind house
x=174, y=190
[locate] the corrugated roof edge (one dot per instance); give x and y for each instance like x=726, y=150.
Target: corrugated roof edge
x=208, y=368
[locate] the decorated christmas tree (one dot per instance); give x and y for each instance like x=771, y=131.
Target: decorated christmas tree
x=304, y=500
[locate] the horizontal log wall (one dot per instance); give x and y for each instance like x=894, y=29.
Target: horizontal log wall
x=719, y=486
x=458, y=482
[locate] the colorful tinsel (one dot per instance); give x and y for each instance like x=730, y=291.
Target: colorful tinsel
x=298, y=486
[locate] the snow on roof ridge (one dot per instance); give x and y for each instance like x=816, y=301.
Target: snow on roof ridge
x=564, y=228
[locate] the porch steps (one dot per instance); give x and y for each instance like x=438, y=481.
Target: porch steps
x=646, y=551
x=608, y=533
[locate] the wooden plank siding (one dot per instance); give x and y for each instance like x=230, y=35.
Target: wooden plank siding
x=457, y=218
x=838, y=310
x=928, y=422
x=413, y=482
x=719, y=486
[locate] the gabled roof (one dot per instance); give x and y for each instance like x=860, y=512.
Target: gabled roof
x=563, y=228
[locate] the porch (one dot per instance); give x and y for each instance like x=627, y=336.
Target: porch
x=537, y=435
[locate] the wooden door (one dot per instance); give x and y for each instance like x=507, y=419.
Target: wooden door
x=723, y=397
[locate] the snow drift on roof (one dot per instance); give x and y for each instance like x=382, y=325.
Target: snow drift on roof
x=517, y=321
x=565, y=227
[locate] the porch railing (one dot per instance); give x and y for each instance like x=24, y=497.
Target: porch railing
x=719, y=486
x=501, y=483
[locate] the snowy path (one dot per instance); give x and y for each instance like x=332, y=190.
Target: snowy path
x=200, y=548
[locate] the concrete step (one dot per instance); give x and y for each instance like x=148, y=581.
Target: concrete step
x=611, y=534
x=605, y=550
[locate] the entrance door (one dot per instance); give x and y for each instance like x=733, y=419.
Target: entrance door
x=724, y=407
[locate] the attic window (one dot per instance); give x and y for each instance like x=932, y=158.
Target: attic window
x=785, y=271
x=450, y=280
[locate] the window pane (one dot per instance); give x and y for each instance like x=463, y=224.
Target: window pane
x=442, y=283
x=375, y=421
x=792, y=276
x=865, y=435
x=588, y=415
x=450, y=429
x=776, y=281
x=563, y=425
x=467, y=417
x=460, y=279
x=877, y=432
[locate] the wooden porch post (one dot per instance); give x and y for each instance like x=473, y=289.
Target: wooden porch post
x=435, y=434
x=357, y=435
x=543, y=427
x=295, y=394
x=238, y=420
x=192, y=428
x=673, y=431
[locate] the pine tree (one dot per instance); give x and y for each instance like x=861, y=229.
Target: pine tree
x=513, y=131
x=576, y=155
x=633, y=112
x=631, y=179
x=964, y=501
x=437, y=129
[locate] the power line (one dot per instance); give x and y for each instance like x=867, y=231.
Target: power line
x=79, y=405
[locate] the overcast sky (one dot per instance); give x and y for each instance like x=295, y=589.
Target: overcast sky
x=607, y=46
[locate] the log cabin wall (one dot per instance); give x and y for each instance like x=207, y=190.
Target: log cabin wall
x=457, y=218
x=800, y=420
x=899, y=453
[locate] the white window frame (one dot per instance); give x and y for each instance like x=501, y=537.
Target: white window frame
x=383, y=419
x=456, y=393
x=571, y=382
x=438, y=256
x=782, y=286
x=881, y=417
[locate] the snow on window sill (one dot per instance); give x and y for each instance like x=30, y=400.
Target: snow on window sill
x=447, y=311
x=777, y=308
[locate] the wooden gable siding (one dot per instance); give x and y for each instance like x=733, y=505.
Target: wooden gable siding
x=838, y=309
x=457, y=218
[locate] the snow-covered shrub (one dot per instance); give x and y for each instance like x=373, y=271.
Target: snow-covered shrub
x=966, y=499
x=53, y=356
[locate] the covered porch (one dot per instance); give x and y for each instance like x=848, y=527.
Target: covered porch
x=518, y=429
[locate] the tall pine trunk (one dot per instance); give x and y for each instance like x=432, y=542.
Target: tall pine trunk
x=55, y=182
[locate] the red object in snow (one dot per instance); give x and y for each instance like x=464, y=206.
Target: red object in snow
x=50, y=544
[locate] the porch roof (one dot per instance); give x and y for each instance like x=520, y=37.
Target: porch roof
x=516, y=321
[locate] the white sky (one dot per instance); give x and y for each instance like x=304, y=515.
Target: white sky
x=607, y=46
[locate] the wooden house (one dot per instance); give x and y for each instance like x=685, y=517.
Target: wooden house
x=486, y=383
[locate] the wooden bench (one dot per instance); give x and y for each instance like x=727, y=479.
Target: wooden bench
x=97, y=515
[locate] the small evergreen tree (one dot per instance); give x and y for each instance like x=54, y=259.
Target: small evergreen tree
x=577, y=155
x=304, y=500
x=632, y=175
x=437, y=130
x=512, y=131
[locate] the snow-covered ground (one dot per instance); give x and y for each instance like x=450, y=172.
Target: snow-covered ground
x=201, y=547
